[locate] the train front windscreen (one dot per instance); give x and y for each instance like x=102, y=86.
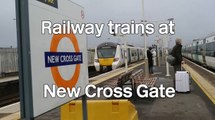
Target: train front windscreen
x=106, y=52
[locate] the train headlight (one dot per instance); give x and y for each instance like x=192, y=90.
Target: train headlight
x=96, y=60
x=115, y=59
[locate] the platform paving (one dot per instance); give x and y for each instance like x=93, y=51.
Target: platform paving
x=184, y=106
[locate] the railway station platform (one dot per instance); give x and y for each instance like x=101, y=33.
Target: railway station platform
x=184, y=106
x=8, y=79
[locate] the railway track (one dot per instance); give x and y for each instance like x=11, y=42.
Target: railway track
x=92, y=72
x=9, y=93
x=204, y=72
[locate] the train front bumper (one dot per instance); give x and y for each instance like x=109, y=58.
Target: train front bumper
x=106, y=61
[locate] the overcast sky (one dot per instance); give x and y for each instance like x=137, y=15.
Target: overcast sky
x=193, y=18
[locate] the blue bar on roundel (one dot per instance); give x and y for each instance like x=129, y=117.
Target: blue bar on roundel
x=53, y=59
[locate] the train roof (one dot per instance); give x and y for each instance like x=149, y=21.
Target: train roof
x=210, y=35
x=201, y=40
x=111, y=44
x=108, y=44
x=196, y=40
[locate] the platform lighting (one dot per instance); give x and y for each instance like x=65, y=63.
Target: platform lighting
x=144, y=38
x=167, y=52
x=145, y=44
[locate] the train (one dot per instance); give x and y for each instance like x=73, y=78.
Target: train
x=111, y=55
x=201, y=51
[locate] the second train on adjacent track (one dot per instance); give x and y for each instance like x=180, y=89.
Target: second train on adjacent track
x=201, y=51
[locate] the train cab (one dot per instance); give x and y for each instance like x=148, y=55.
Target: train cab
x=107, y=55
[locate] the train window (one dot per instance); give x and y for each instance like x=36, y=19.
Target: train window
x=210, y=53
x=207, y=47
x=106, y=52
x=207, y=53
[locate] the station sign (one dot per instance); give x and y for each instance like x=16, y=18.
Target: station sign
x=55, y=59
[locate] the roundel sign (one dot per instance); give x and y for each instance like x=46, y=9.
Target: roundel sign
x=55, y=59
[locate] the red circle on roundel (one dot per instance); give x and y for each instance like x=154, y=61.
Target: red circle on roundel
x=60, y=82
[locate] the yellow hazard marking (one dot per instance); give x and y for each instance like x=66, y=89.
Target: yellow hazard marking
x=13, y=116
x=106, y=61
x=204, y=84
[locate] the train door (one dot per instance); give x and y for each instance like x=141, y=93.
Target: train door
x=138, y=55
x=213, y=48
x=204, y=52
x=193, y=51
x=129, y=55
x=197, y=51
x=122, y=56
x=141, y=54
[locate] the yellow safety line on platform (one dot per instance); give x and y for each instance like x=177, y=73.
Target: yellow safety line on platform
x=206, y=87
x=14, y=116
x=107, y=76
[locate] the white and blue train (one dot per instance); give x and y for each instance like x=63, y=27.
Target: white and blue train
x=201, y=51
x=111, y=55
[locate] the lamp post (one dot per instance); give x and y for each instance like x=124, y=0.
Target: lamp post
x=167, y=52
x=145, y=49
x=158, y=51
x=166, y=43
x=146, y=58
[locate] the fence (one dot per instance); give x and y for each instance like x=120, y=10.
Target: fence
x=8, y=61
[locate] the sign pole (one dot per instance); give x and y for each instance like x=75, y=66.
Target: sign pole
x=167, y=53
x=34, y=73
x=25, y=85
x=84, y=107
